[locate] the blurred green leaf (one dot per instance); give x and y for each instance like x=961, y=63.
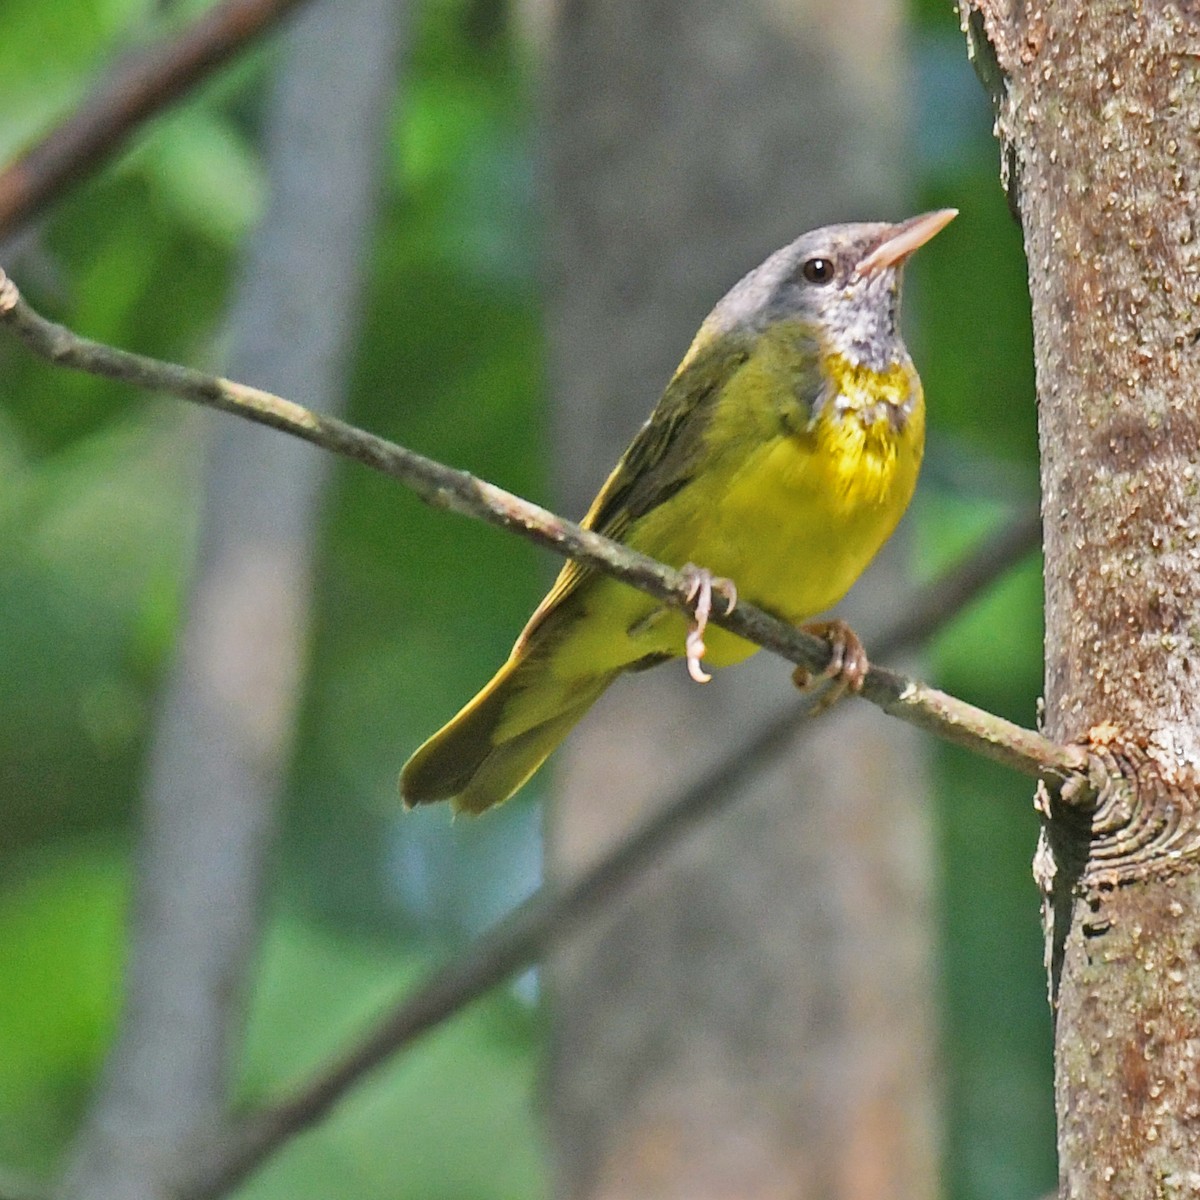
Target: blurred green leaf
x=991, y=653
x=92, y=543
x=449, y=1116
x=996, y=1016
x=51, y=52
x=205, y=173
x=60, y=942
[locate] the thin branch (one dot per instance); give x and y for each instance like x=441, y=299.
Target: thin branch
x=444, y=487
x=534, y=927
x=143, y=87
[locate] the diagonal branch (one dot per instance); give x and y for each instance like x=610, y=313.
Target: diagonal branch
x=524, y=937
x=142, y=88
x=928, y=708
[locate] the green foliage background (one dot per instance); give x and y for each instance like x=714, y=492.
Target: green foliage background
x=98, y=501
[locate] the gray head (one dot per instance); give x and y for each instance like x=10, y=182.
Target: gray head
x=844, y=280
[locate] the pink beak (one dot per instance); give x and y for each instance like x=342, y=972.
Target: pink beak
x=904, y=239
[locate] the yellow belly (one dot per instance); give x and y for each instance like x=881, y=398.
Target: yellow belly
x=793, y=522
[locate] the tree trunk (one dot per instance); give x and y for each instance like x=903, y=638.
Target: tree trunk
x=217, y=764
x=1098, y=110
x=755, y=1019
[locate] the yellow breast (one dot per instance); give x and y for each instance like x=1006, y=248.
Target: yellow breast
x=803, y=511
x=812, y=508
x=871, y=435
x=791, y=510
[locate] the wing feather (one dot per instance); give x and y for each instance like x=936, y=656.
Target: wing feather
x=663, y=458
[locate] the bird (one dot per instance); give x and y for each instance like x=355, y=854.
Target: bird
x=780, y=458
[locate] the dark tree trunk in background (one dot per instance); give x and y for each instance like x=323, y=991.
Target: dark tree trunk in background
x=756, y=1019
x=1099, y=117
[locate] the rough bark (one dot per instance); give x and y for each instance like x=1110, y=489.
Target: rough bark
x=1098, y=108
x=216, y=766
x=754, y=1021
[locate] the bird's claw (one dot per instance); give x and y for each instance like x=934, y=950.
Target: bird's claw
x=701, y=586
x=847, y=666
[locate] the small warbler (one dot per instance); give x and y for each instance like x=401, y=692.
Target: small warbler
x=780, y=458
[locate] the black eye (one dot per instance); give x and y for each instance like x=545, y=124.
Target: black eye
x=817, y=270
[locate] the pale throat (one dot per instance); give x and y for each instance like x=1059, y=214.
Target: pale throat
x=869, y=374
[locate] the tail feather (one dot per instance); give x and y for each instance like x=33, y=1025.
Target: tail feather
x=483, y=755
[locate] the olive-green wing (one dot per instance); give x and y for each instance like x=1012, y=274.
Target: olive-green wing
x=663, y=457
x=668, y=449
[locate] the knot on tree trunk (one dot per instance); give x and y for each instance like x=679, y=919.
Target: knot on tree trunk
x=1128, y=820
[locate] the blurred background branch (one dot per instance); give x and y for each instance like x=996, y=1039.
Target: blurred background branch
x=137, y=90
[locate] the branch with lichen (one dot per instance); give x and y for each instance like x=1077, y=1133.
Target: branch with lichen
x=457, y=491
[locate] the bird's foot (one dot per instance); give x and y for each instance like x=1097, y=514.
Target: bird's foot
x=847, y=667
x=701, y=586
